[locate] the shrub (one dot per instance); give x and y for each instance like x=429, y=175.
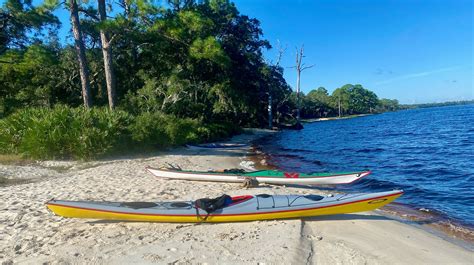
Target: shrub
x=162, y=130
x=150, y=129
x=216, y=131
x=47, y=134
x=63, y=132
x=12, y=130
x=100, y=131
x=182, y=130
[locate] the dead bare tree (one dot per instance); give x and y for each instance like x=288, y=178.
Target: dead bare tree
x=300, y=67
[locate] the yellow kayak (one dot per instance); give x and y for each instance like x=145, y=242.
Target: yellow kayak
x=229, y=209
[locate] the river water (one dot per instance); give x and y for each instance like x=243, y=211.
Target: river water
x=429, y=153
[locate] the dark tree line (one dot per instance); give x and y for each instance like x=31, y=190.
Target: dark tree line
x=191, y=59
x=441, y=104
x=197, y=59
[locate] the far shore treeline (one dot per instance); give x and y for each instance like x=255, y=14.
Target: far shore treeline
x=139, y=75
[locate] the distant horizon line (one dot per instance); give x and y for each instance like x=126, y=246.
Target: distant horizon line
x=463, y=101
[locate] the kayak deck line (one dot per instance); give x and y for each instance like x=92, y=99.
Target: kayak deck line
x=345, y=207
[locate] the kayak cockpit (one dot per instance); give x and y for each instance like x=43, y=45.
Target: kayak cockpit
x=138, y=205
x=211, y=205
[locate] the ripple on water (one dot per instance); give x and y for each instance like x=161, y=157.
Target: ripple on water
x=427, y=152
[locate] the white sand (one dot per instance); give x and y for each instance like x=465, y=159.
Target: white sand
x=29, y=233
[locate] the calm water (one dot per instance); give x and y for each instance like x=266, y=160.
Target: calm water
x=429, y=153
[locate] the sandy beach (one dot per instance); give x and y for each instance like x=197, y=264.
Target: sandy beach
x=31, y=234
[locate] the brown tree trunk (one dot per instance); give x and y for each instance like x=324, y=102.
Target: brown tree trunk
x=107, y=53
x=81, y=53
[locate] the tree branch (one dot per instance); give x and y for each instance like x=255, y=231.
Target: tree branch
x=88, y=13
x=307, y=67
x=111, y=40
x=281, y=50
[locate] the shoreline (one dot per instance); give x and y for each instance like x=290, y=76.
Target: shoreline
x=439, y=225
x=337, y=118
x=452, y=231
x=34, y=235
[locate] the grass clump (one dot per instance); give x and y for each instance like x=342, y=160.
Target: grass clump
x=62, y=132
x=77, y=133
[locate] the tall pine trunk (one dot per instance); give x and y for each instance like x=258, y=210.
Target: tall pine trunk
x=81, y=53
x=107, y=54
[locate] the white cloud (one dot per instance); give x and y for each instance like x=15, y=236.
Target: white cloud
x=415, y=75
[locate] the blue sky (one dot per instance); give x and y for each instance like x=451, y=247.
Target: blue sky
x=415, y=51
x=412, y=50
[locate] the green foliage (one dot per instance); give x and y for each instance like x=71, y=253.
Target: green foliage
x=320, y=102
x=30, y=80
x=160, y=130
x=21, y=24
x=63, y=132
x=151, y=129
x=13, y=129
x=182, y=131
x=186, y=59
x=340, y=99
x=146, y=99
x=319, y=95
x=186, y=71
x=387, y=105
x=361, y=100
x=351, y=99
x=216, y=131
x=209, y=49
